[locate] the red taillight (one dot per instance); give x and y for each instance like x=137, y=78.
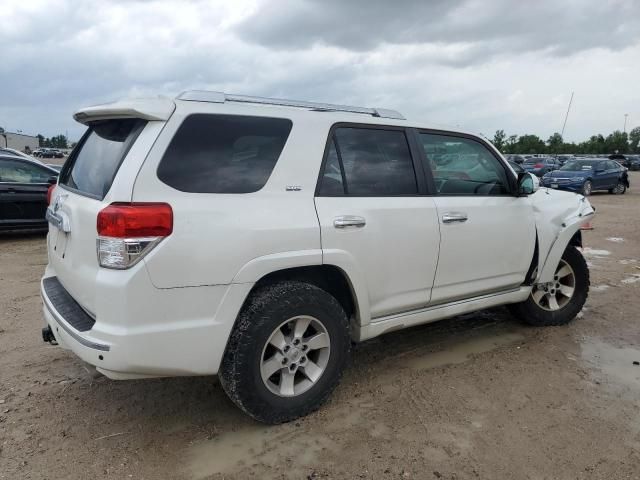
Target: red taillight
x=135, y=220
x=538, y=165
x=49, y=193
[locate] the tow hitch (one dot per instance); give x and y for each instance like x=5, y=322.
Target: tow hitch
x=48, y=337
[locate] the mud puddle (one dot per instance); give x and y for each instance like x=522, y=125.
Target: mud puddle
x=252, y=446
x=461, y=352
x=615, y=363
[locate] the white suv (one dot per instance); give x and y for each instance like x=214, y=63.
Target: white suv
x=256, y=239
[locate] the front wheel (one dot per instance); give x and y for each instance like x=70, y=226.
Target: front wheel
x=586, y=188
x=559, y=301
x=287, y=352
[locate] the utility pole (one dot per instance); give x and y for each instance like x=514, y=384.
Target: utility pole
x=624, y=129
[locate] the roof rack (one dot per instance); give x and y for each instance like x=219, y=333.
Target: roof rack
x=220, y=97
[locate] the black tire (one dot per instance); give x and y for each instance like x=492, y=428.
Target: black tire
x=267, y=308
x=587, y=188
x=619, y=189
x=532, y=314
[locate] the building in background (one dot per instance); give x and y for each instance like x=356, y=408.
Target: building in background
x=19, y=141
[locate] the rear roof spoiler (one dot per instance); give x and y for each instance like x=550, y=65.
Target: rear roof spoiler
x=159, y=108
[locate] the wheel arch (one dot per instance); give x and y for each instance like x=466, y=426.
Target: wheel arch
x=329, y=278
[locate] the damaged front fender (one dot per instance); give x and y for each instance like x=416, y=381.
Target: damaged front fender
x=558, y=215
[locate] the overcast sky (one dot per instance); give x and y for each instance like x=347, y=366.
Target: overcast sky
x=480, y=65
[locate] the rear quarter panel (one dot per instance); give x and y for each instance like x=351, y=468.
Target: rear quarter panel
x=216, y=235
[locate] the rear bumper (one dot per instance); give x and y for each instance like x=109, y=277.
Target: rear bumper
x=177, y=332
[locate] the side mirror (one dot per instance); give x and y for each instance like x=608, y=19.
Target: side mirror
x=599, y=170
x=52, y=180
x=527, y=184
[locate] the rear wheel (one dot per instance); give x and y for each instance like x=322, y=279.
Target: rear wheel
x=619, y=189
x=586, y=188
x=559, y=301
x=287, y=352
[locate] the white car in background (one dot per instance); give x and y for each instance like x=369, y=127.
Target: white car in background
x=257, y=238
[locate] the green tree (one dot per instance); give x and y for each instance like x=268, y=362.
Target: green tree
x=555, y=143
x=530, y=144
x=617, y=142
x=40, y=140
x=509, y=146
x=634, y=140
x=498, y=139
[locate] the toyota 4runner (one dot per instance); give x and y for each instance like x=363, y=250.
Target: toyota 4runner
x=257, y=238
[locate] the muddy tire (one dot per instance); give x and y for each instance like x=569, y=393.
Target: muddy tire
x=562, y=300
x=287, y=352
x=587, y=188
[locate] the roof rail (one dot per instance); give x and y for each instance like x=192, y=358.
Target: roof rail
x=220, y=97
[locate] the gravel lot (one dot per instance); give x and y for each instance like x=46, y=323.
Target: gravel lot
x=479, y=396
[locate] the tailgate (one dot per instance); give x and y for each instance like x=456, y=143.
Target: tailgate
x=101, y=170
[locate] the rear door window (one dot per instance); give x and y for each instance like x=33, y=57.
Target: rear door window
x=368, y=162
x=94, y=164
x=223, y=153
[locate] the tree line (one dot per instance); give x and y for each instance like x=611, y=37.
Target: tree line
x=57, y=141
x=620, y=142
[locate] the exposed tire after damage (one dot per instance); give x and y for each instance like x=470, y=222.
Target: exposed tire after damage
x=282, y=331
x=563, y=299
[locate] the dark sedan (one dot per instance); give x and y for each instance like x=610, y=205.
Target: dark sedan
x=585, y=176
x=23, y=193
x=541, y=165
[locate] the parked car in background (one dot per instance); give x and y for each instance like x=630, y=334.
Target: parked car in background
x=633, y=162
x=540, y=165
x=50, y=153
x=515, y=158
x=516, y=166
x=257, y=238
x=620, y=158
x=24, y=186
x=15, y=153
x=562, y=159
x=586, y=176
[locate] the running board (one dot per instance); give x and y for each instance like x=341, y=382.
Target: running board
x=439, y=312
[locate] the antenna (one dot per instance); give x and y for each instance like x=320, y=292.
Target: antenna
x=566, y=116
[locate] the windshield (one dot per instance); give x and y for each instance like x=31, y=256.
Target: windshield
x=578, y=165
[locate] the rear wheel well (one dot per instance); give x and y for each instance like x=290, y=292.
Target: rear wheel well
x=329, y=278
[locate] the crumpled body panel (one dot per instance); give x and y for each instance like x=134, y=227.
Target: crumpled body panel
x=559, y=215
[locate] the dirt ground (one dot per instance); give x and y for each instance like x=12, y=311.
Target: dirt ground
x=479, y=396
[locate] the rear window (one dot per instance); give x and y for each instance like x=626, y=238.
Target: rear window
x=223, y=153
x=94, y=164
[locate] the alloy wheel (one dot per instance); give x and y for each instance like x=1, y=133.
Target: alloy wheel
x=295, y=356
x=557, y=294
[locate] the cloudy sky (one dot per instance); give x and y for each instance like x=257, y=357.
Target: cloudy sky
x=480, y=65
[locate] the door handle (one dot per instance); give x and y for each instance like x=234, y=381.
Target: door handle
x=345, y=221
x=453, y=217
